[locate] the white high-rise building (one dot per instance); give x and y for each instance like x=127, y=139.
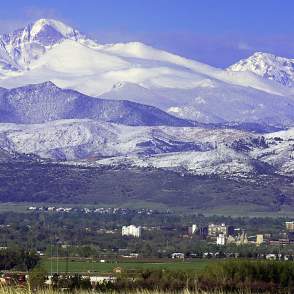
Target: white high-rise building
x=131, y=231
x=221, y=240
x=193, y=229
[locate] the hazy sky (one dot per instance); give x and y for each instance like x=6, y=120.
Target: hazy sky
x=217, y=32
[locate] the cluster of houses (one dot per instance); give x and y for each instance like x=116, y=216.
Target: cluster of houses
x=99, y=210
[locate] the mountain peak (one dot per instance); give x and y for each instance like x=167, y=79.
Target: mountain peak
x=262, y=54
x=47, y=84
x=269, y=66
x=44, y=24
x=25, y=45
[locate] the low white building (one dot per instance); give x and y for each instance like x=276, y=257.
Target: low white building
x=178, y=255
x=271, y=256
x=131, y=231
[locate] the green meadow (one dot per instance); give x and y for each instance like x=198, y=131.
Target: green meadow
x=84, y=266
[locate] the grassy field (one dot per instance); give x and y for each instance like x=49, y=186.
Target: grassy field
x=83, y=266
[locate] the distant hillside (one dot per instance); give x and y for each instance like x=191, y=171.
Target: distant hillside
x=25, y=181
x=46, y=102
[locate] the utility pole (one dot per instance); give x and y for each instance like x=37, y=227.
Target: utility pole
x=66, y=269
x=51, y=261
x=57, y=261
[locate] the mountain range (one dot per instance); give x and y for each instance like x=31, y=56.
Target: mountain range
x=69, y=99
x=254, y=90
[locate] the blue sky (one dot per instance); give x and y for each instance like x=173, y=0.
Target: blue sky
x=217, y=32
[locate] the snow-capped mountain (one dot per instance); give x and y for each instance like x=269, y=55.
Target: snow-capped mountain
x=67, y=97
x=49, y=50
x=268, y=66
x=45, y=102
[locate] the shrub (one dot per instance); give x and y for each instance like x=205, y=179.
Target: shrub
x=248, y=274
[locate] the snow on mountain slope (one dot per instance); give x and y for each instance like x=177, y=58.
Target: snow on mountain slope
x=268, y=66
x=137, y=93
x=221, y=161
x=131, y=62
x=213, y=102
x=46, y=102
x=81, y=60
x=141, y=51
x=187, y=148
x=233, y=103
x=92, y=71
x=280, y=151
x=244, y=156
x=195, y=150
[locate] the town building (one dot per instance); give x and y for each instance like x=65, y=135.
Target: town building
x=214, y=230
x=193, y=229
x=290, y=236
x=290, y=226
x=131, y=231
x=203, y=232
x=231, y=231
x=221, y=240
x=178, y=255
x=242, y=239
x=231, y=240
x=259, y=239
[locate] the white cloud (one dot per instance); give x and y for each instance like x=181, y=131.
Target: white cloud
x=33, y=13
x=9, y=25
x=244, y=46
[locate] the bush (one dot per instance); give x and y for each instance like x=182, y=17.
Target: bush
x=247, y=274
